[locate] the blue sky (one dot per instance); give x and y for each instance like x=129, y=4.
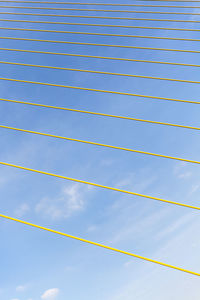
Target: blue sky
x=39, y=265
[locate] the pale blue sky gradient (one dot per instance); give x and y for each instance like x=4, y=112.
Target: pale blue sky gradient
x=33, y=261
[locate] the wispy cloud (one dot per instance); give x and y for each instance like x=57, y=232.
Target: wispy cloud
x=69, y=201
x=156, y=279
x=50, y=294
x=21, y=288
x=181, y=171
x=21, y=210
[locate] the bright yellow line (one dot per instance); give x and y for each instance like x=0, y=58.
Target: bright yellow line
x=102, y=10
x=99, y=17
x=101, y=45
x=99, y=144
x=99, y=72
x=100, y=245
x=97, y=90
x=102, y=57
x=100, y=186
x=101, y=34
x=100, y=25
x=99, y=114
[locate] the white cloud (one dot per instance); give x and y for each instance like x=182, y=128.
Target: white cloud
x=181, y=171
x=15, y=299
x=21, y=210
x=21, y=288
x=50, y=294
x=68, y=202
x=194, y=188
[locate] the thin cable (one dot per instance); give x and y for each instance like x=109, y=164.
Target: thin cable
x=100, y=245
x=100, y=25
x=100, y=34
x=99, y=185
x=99, y=72
x=90, y=3
x=101, y=45
x=99, y=144
x=103, y=4
x=97, y=90
x=102, y=10
x=38, y=105
x=102, y=57
x=98, y=17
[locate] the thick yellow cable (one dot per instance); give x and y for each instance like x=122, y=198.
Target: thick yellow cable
x=102, y=10
x=98, y=72
x=99, y=144
x=99, y=185
x=102, y=57
x=99, y=17
x=97, y=90
x=100, y=245
x=100, y=25
x=101, y=34
x=103, y=4
x=98, y=114
x=101, y=45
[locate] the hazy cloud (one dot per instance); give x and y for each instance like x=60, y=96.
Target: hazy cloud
x=50, y=294
x=21, y=210
x=21, y=288
x=68, y=202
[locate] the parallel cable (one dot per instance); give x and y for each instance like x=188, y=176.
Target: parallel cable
x=90, y=3
x=99, y=144
x=99, y=17
x=98, y=90
x=99, y=185
x=101, y=91
x=100, y=245
x=99, y=114
x=100, y=25
x=101, y=34
x=103, y=4
x=102, y=57
x=101, y=45
x=102, y=10
x=80, y=181
x=99, y=72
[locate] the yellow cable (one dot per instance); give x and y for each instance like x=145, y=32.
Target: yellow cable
x=102, y=57
x=101, y=45
x=99, y=144
x=99, y=114
x=102, y=10
x=99, y=185
x=100, y=25
x=98, y=17
x=99, y=72
x=103, y=4
x=100, y=245
x=97, y=90
x=101, y=34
